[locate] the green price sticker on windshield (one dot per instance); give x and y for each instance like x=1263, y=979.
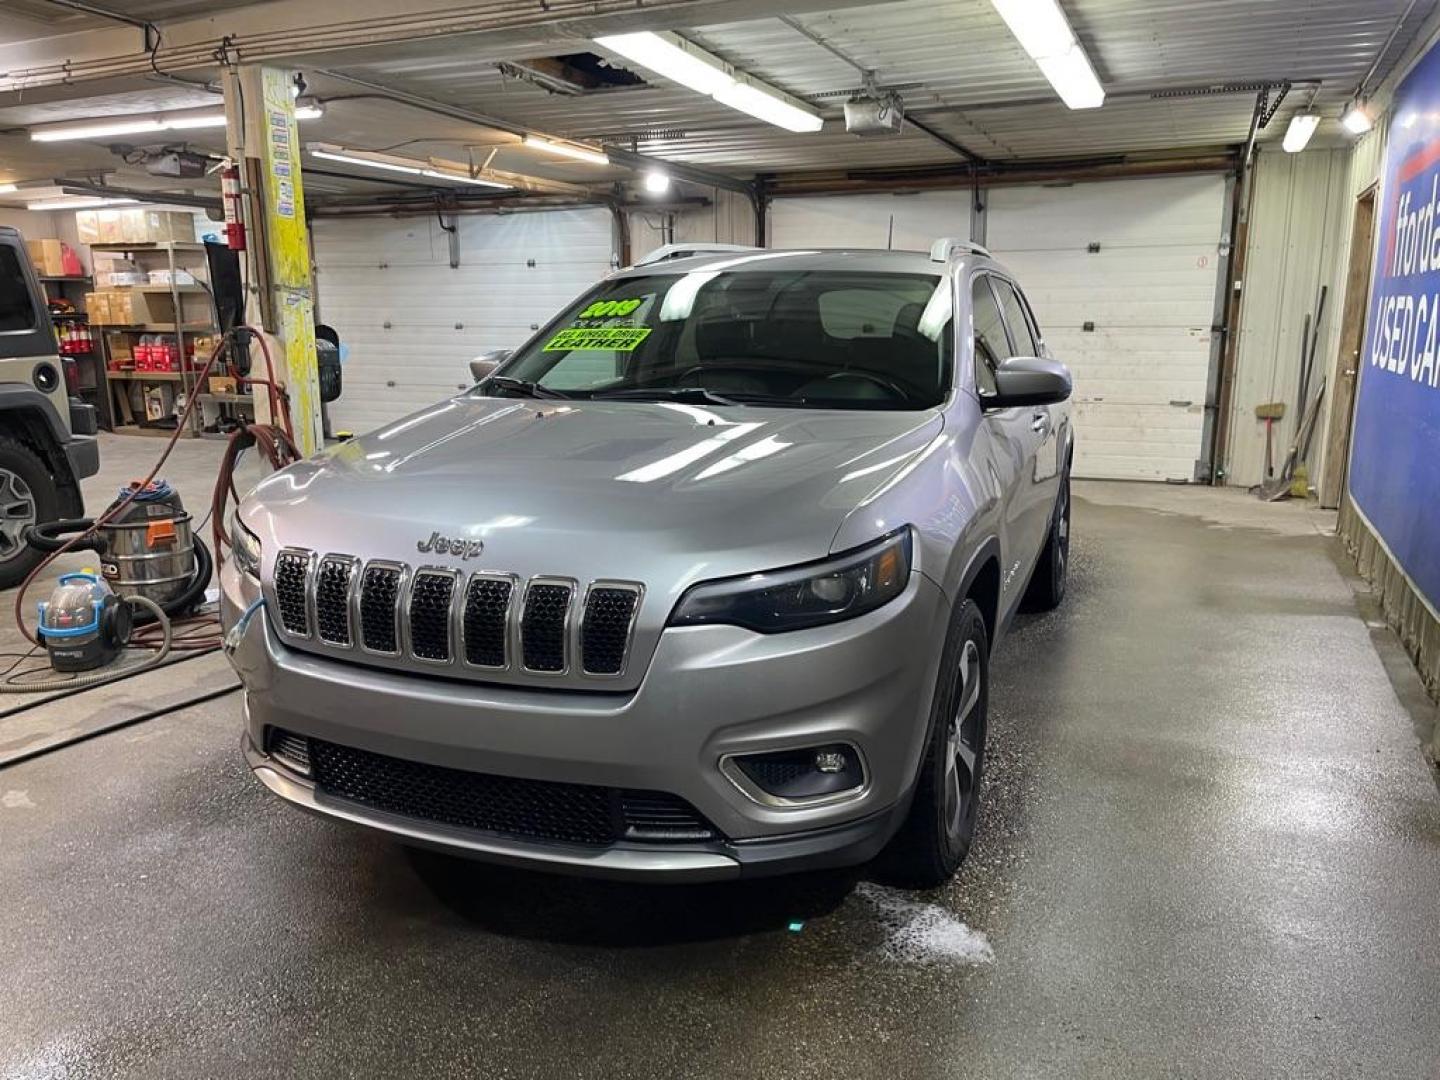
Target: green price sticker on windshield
x=607, y=309
x=616, y=338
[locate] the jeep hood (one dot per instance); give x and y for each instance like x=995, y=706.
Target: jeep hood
x=589, y=489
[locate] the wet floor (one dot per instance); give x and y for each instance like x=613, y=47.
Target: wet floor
x=1210, y=848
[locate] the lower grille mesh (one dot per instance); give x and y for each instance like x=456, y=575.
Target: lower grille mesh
x=528, y=809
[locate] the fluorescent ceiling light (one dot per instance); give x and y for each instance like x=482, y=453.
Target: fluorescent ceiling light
x=433, y=170
x=350, y=159
x=657, y=182
x=179, y=120
x=770, y=106
x=672, y=57
x=460, y=178
x=309, y=111
x=570, y=150
x=1073, y=78
x=83, y=202
x=5, y=189
x=1356, y=120
x=1044, y=33
x=1302, y=126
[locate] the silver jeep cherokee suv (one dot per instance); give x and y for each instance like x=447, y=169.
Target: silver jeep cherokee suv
x=700, y=582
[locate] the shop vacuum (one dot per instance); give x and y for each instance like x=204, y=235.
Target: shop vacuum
x=148, y=551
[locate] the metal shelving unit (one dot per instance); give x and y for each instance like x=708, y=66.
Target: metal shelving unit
x=174, y=253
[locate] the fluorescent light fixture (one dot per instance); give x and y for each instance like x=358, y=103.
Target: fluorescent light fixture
x=770, y=106
x=309, y=111
x=351, y=159
x=5, y=189
x=83, y=202
x=1302, y=126
x=433, y=170
x=570, y=150
x=672, y=57
x=1357, y=120
x=1044, y=33
x=657, y=182
x=179, y=120
x=1073, y=78
x=461, y=178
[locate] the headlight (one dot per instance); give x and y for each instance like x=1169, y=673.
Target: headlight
x=244, y=547
x=812, y=595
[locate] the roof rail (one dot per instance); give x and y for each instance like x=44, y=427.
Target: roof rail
x=947, y=247
x=665, y=252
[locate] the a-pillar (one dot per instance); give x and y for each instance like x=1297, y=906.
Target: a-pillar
x=264, y=143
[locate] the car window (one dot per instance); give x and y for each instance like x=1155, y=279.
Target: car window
x=991, y=345
x=789, y=338
x=1015, y=319
x=17, y=312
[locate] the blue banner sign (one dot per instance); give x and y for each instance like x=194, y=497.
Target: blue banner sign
x=1395, y=450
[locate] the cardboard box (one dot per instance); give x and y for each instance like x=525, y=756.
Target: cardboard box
x=87, y=226
x=222, y=384
x=108, y=222
x=48, y=257
x=156, y=227
x=128, y=308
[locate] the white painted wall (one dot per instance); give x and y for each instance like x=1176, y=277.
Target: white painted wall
x=729, y=219
x=412, y=323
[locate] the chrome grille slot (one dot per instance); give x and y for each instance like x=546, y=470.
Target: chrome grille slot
x=333, y=579
x=431, y=592
x=605, y=628
x=486, y=621
x=292, y=574
x=545, y=624
x=379, y=599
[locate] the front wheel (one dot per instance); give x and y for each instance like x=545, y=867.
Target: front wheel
x=936, y=836
x=1047, y=584
x=27, y=495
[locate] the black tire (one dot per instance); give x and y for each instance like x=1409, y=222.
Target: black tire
x=1047, y=584
x=28, y=495
x=937, y=833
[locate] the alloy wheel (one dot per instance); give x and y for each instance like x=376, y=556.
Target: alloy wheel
x=17, y=513
x=963, y=740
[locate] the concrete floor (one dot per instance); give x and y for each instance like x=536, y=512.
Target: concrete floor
x=1209, y=849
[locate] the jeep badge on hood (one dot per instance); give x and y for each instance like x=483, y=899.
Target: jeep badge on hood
x=443, y=545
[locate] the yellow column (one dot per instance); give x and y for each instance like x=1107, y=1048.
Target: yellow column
x=264, y=140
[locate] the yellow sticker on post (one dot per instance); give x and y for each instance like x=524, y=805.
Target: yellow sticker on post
x=614, y=338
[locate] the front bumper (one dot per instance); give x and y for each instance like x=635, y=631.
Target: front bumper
x=710, y=691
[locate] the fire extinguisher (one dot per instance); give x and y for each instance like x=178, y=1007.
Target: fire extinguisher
x=230, y=192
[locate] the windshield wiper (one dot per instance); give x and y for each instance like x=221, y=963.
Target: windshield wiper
x=693, y=395
x=524, y=387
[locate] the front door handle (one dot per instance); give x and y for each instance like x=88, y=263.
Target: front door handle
x=1040, y=422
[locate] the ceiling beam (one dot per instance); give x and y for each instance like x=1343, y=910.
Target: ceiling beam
x=625, y=158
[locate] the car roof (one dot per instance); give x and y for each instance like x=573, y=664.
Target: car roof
x=853, y=259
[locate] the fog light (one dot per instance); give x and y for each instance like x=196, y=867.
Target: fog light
x=798, y=776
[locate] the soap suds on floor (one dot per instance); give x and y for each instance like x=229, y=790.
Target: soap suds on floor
x=919, y=933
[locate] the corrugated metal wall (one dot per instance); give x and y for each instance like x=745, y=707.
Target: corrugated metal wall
x=1299, y=225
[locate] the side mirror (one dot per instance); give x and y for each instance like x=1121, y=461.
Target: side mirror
x=1029, y=380
x=485, y=363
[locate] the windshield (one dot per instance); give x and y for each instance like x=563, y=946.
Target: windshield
x=800, y=339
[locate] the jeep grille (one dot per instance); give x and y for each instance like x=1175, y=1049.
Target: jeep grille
x=482, y=622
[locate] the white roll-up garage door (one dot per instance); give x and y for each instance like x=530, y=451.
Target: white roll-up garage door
x=1136, y=260
x=412, y=323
